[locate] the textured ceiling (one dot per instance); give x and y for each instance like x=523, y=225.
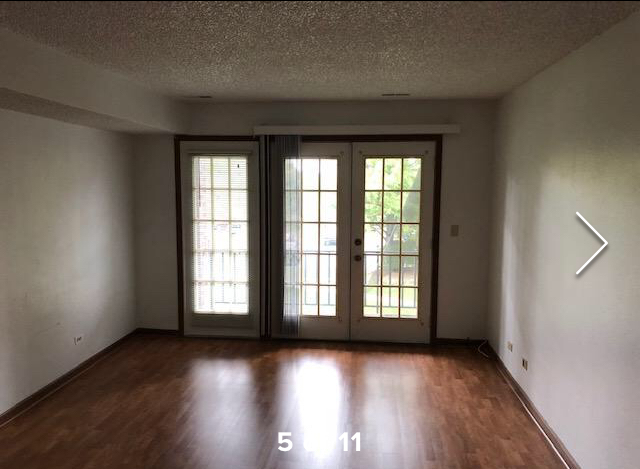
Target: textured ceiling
x=256, y=51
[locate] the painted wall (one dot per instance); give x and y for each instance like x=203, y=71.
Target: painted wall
x=156, y=251
x=465, y=194
x=569, y=140
x=66, y=248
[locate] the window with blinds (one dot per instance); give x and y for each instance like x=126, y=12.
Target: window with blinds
x=220, y=235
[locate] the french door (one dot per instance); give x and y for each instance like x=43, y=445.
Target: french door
x=358, y=244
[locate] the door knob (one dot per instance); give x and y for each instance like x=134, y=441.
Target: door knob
x=357, y=257
x=357, y=242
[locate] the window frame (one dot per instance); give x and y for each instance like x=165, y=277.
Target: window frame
x=220, y=324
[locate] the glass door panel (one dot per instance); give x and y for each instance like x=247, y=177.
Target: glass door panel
x=316, y=233
x=391, y=225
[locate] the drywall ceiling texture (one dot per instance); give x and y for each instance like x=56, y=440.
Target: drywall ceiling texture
x=569, y=140
x=67, y=256
x=318, y=50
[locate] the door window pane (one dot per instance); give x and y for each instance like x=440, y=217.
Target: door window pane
x=373, y=207
x=373, y=174
x=392, y=201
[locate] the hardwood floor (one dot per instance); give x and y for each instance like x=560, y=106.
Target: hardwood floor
x=168, y=402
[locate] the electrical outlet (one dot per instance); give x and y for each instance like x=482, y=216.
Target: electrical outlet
x=510, y=346
x=525, y=364
x=77, y=339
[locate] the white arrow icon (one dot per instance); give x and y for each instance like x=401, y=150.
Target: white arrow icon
x=598, y=251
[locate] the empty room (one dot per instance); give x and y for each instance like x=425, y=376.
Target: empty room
x=320, y=235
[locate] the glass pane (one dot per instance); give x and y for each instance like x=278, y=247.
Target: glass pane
x=221, y=236
x=372, y=237
x=310, y=237
x=328, y=206
x=203, y=266
x=241, y=305
x=409, y=305
x=410, y=239
x=220, y=173
x=223, y=271
x=309, y=206
x=202, y=297
x=373, y=174
x=328, y=241
x=202, y=235
x=329, y=174
x=292, y=174
x=310, y=268
x=391, y=206
x=202, y=204
x=310, y=300
x=202, y=173
x=291, y=271
x=390, y=302
x=293, y=199
x=327, y=301
x=390, y=270
x=371, y=270
x=411, y=207
x=240, y=266
x=328, y=269
x=373, y=207
x=239, y=236
x=371, y=302
x=310, y=174
x=392, y=173
x=238, y=175
x=410, y=271
x=220, y=205
x=411, y=174
x=239, y=205
x=292, y=237
x=391, y=239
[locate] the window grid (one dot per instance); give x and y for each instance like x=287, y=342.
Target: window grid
x=399, y=287
x=220, y=235
x=313, y=306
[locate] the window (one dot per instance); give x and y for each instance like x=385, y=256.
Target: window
x=391, y=237
x=311, y=203
x=220, y=275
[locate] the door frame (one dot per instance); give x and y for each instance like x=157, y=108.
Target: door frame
x=264, y=308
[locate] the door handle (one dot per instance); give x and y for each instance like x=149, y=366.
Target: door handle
x=357, y=258
x=357, y=242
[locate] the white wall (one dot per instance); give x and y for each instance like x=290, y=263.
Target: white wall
x=156, y=250
x=66, y=248
x=569, y=140
x=465, y=194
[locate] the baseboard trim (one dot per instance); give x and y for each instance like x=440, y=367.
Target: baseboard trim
x=551, y=437
x=470, y=342
x=30, y=401
x=147, y=330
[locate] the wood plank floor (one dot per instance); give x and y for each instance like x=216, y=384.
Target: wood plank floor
x=168, y=402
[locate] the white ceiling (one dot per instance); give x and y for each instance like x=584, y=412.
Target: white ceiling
x=258, y=51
